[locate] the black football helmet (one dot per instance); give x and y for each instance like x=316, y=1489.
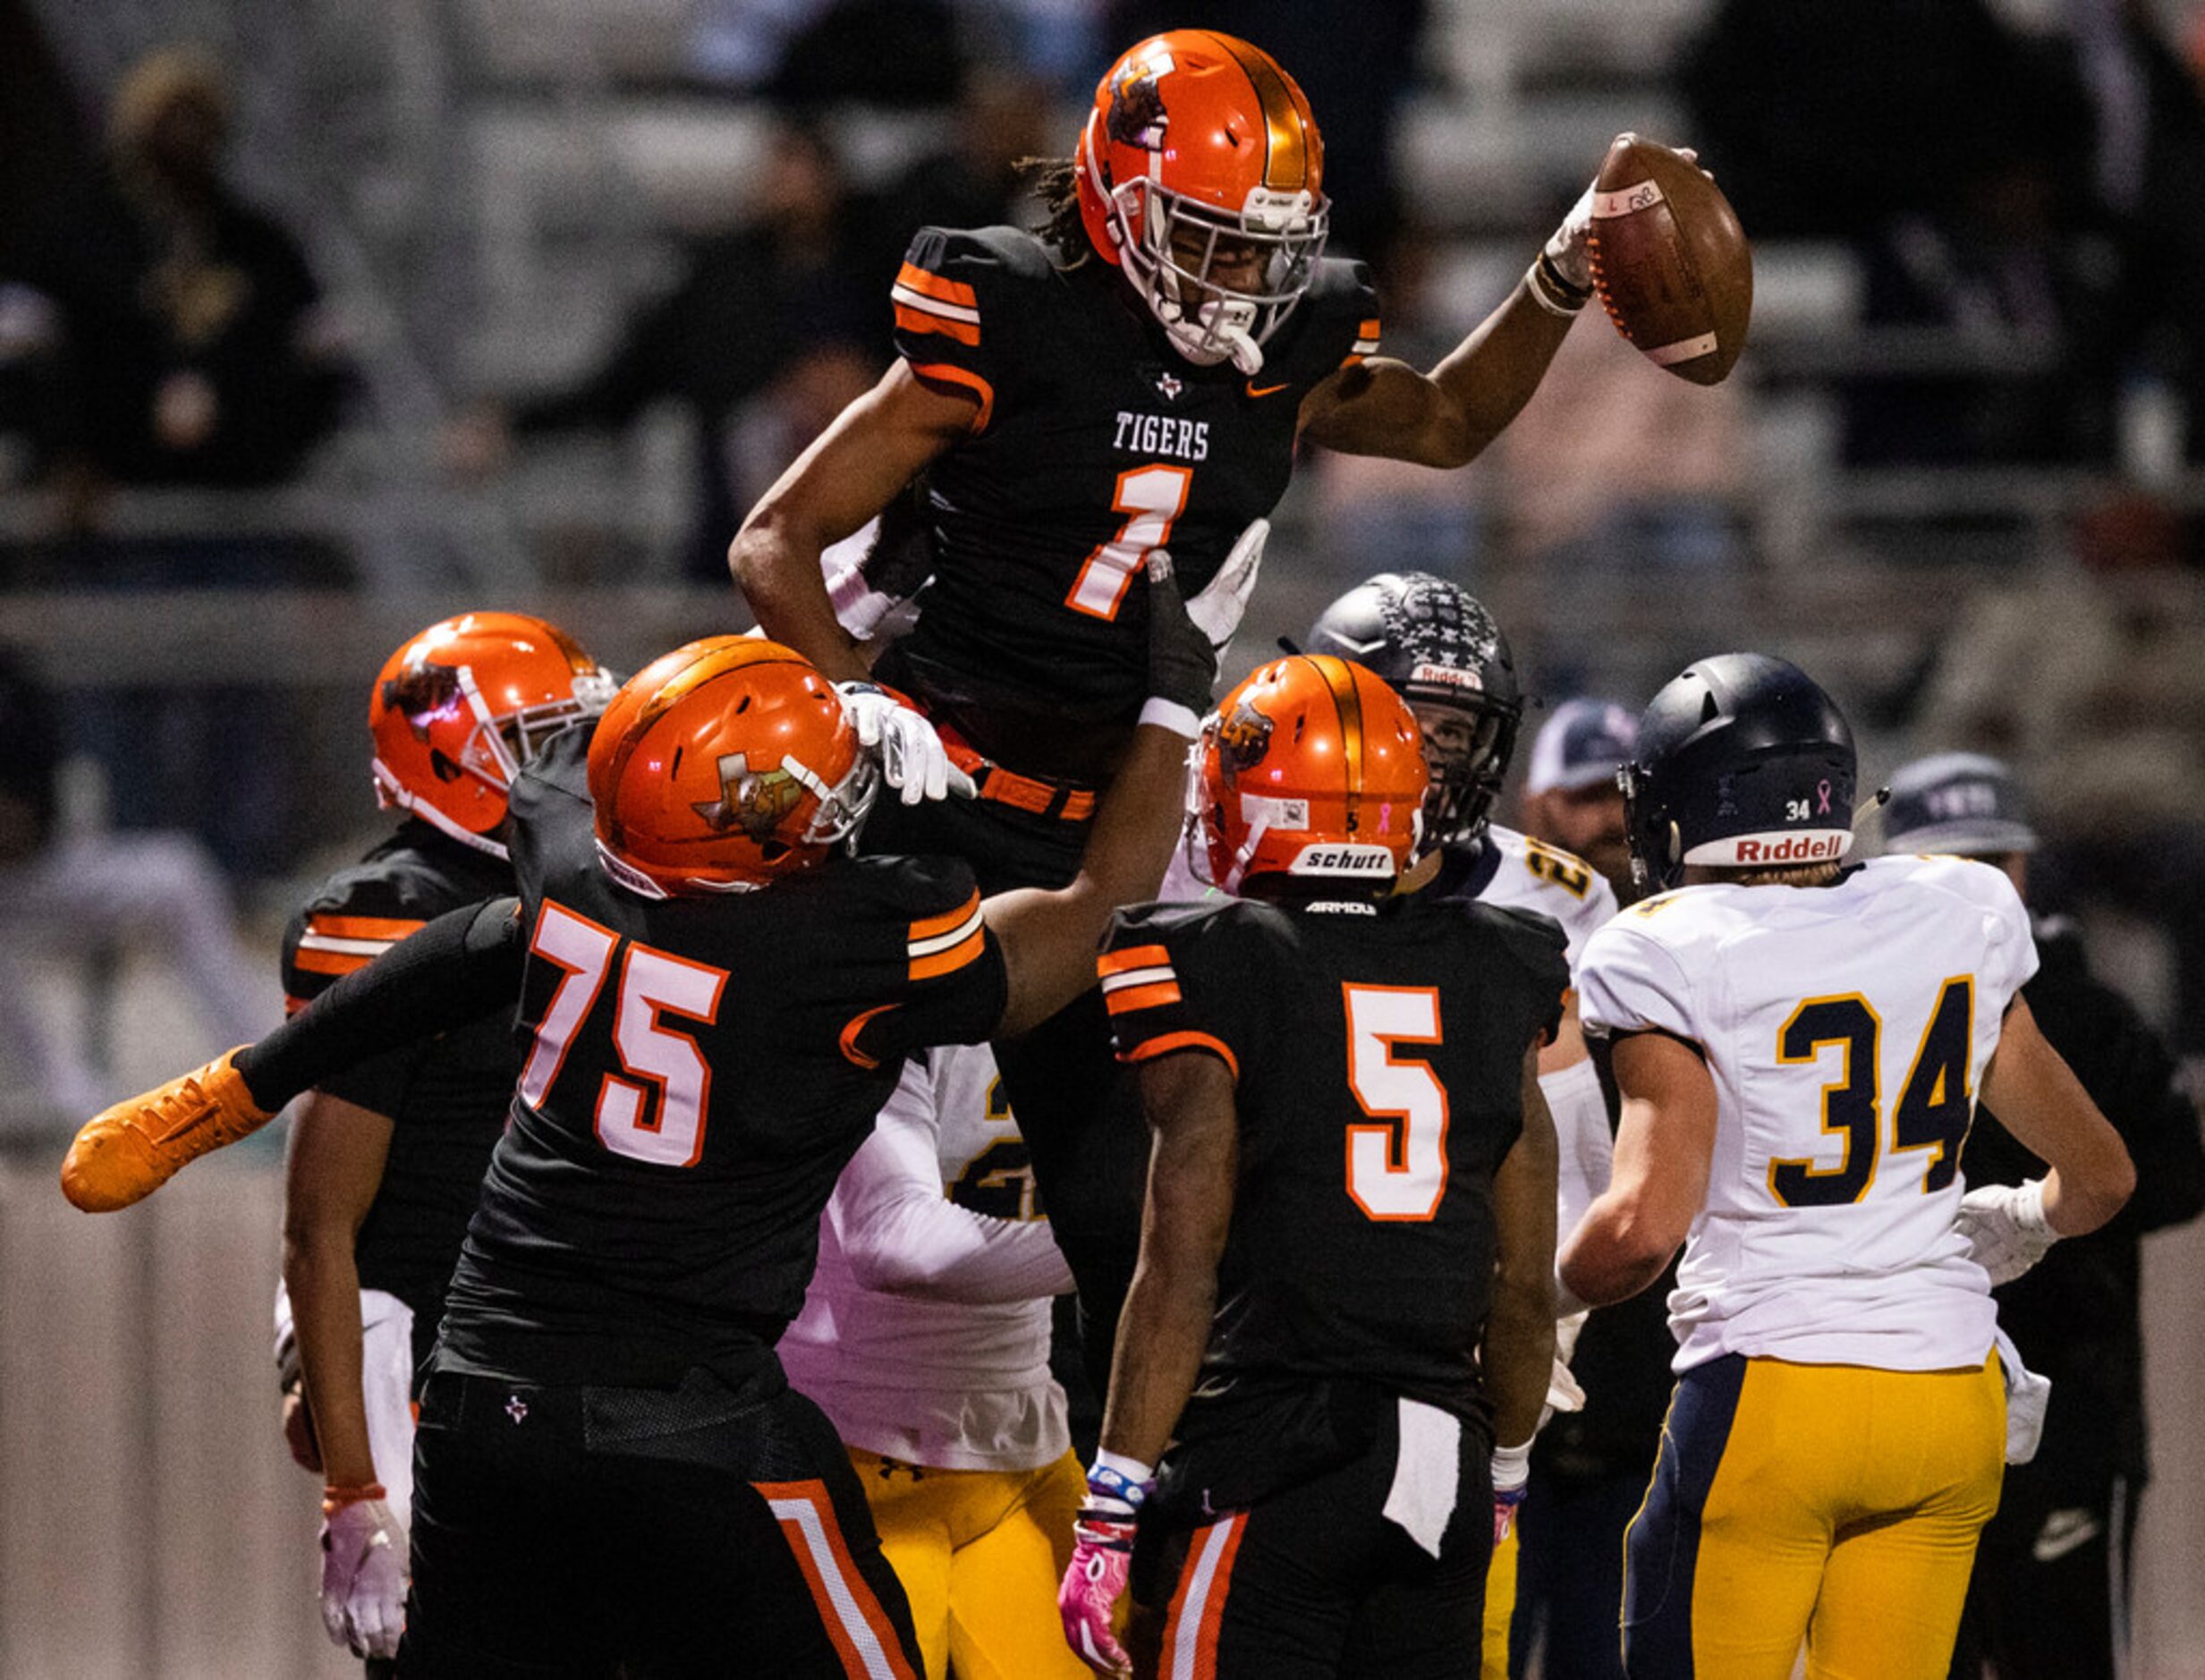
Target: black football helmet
x=1743, y=762
x=1441, y=651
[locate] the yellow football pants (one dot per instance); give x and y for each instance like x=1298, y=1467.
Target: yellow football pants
x=1500, y=1607
x=1831, y=1503
x=979, y=1553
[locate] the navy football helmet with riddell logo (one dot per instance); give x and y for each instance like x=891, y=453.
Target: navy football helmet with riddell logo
x=1743, y=762
x=1439, y=650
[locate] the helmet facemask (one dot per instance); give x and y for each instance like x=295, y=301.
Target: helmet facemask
x=1180, y=254
x=1468, y=746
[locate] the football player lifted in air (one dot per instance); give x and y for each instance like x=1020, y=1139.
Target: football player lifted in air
x=612, y=1472
x=387, y=1158
x=1439, y=648
x=1135, y=375
x=1799, y=1044
x=1345, y=1293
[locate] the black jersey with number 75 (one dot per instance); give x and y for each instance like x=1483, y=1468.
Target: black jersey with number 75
x=697, y=1071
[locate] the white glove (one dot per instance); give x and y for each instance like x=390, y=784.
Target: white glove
x=912, y=758
x=2006, y=1227
x=1570, y=246
x=363, y=1578
x=1216, y=610
x=1563, y=1392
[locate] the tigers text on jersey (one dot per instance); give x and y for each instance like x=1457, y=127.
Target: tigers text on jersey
x=1378, y=1064
x=1093, y=443
x=1508, y=867
x=445, y=1098
x=1847, y=1028
x=954, y=1373
x=700, y=1069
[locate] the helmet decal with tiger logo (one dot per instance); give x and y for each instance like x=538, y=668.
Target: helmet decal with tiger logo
x=1243, y=740
x=754, y=801
x=1137, y=114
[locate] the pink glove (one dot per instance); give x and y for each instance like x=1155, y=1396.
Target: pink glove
x=1102, y=1553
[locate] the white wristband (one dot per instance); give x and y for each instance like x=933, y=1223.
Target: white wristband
x=1131, y=1468
x=1512, y=1467
x=1172, y=716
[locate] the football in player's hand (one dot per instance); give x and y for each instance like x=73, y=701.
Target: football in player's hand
x=1669, y=260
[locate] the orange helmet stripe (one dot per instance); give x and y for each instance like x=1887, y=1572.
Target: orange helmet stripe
x=1348, y=703
x=1286, y=133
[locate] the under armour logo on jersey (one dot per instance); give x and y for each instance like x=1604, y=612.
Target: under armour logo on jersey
x=516, y=1408
x=890, y=1466
x=755, y=801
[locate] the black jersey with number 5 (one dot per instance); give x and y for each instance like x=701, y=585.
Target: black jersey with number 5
x=1377, y=1056
x=698, y=1070
x=1093, y=443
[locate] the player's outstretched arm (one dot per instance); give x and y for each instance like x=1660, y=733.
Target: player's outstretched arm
x=2037, y=1097
x=1049, y=938
x=851, y=472
x=460, y=967
x=1187, y=1096
x=1445, y=417
x=1663, y=1149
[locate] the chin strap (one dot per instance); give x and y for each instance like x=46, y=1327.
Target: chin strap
x=1218, y=326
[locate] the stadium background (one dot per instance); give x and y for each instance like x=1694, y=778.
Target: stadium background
x=488, y=189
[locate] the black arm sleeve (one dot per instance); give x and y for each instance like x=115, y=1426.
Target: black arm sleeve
x=460, y=967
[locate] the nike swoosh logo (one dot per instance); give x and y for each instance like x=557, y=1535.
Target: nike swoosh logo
x=2063, y=1532
x=1266, y=390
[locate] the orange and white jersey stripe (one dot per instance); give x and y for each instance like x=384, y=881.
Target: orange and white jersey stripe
x=942, y=944
x=1138, y=976
x=1198, y=1606
x=1366, y=339
x=335, y=945
x=1140, y=990
x=928, y=303
x=862, y=1635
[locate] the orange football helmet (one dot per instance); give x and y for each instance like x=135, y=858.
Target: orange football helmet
x=1313, y=767
x=460, y=707
x=1201, y=174
x=723, y=766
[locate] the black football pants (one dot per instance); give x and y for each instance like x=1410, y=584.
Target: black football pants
x=1313, y=1581
x=590, y=1531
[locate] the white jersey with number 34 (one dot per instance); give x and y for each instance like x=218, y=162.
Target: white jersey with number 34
x=1847, y=1028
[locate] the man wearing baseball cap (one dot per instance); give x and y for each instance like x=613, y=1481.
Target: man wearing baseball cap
x=2049, y=1594
x=1570, y=797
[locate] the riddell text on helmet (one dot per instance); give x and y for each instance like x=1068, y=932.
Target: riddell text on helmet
x=1792, y=848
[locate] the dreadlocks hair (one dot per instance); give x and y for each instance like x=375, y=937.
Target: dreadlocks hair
x=1055, y=181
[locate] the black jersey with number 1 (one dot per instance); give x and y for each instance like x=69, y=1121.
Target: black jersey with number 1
x=698, y=1072
x=1093, y=443
x=1376, y=1054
